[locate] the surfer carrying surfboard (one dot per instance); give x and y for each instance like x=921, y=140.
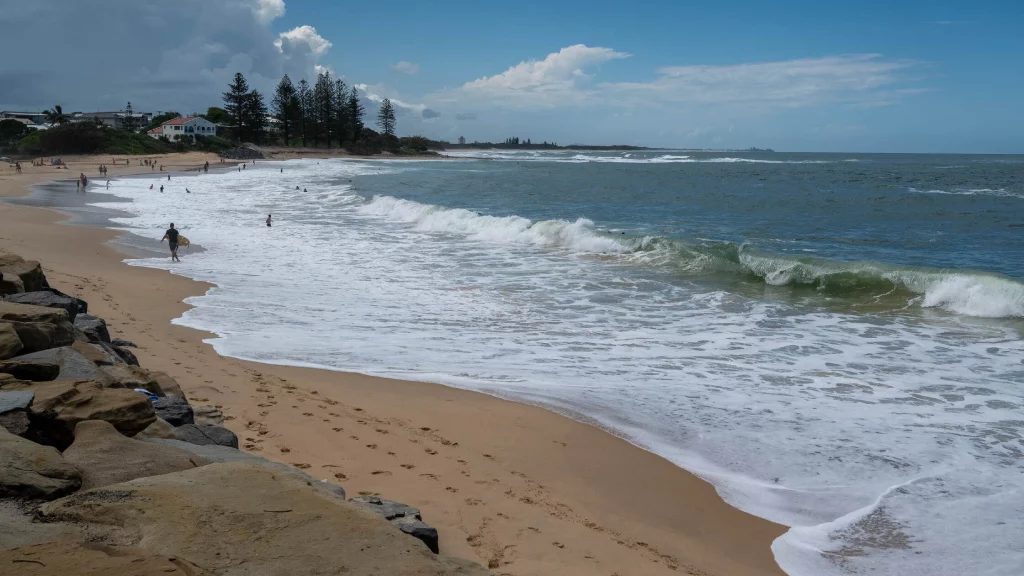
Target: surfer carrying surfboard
x=172, y=240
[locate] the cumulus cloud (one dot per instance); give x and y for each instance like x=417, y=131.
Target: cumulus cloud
x=160, y=55
x=404, y=67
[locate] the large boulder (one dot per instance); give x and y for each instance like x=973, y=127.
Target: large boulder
x=29, y=470
x=206, y=414
x=10, y=285
x=95, y=328
x=83, y=306
x=19, y=527
x=406, y=518
x=242, y=519
x=126, y=355
x=204, y=434
x=34, y=371
x=77, y=558
x=60, y=405
x=38, y=327
x=10, y=342
x=175, y=410
x=105, y=456
x=99, y=353
x=129, y=376
x=158, y=429
x=47, y=299
x=73, y=365
x=28, y=271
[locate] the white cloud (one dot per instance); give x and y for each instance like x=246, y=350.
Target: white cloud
x=267, y=10
x=404, y=67
x=302, y=38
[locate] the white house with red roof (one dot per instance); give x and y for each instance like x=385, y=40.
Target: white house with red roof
x=184, y=127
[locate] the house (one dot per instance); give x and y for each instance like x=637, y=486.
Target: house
x=184, y=127
x=30, y=117
x=113, y=119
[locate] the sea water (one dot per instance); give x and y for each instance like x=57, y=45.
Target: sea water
x=834, y=341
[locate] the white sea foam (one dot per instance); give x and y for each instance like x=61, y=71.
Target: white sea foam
x=568, y=156
x=806, y=417
x=972, y=191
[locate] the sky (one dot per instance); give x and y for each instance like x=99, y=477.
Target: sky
x=907, y=76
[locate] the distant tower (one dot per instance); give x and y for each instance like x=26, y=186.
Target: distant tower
x=462, y=140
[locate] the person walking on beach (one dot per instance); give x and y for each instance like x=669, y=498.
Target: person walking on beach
x=161, y=188
x=268, y=220
x=172, y=240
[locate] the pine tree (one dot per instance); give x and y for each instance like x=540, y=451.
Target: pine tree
x=386, y=118
x=355, y=114
x=129, y=119
x=234, y=103
x=303, y=97
x=341, y=112
x=323, y=94
x=255, y=116
x=283, y=106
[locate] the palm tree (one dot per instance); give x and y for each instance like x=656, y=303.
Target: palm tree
x=56, y=116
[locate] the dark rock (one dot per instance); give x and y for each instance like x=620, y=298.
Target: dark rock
x=205, y=434
x=419, y=530
x=47, y=299
x=123, y=343
x=126, y=355
x=10, y=342
x=405, y=517
x=83, y=306
x=33, y=471
x=16, y=422
x=73, y=365
x=38, y=327
x=95, y=328
x=33, y=371
x=176, y=411
x=28, y=271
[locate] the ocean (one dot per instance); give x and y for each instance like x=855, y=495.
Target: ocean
x=832, y=340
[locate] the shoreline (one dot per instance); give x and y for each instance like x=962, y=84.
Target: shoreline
x=519, y=488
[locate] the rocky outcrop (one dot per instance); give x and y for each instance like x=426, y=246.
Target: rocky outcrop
x=60, y=405
x=206, y=414
x=126, y=355
x=158, y=429
x=10, y=285
x=264, y=522
x=28, y=470
x=404, y=517
x=72, y=364
x=94, y=328
x=29, y=272
x=38, y=327
x=69, y=557
x=10, y=342
x=14, y=406
x=47, y=299
x=129, y=376
x=205, y=434
x=175, y=410
x=105, y=456
x=29, y=370
x=98, y=353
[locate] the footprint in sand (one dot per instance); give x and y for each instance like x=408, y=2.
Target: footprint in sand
x=408, y=466
x=301, y=465
x=371, y=446
x=380, y=473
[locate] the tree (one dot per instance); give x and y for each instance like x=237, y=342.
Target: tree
x=129, y=119
x=56, y=116
x=386, y=118
x=283, y=106
x=11, y=131
x=161, y=118
x=305, y=99
x=234, y=104
x=255, y=116
x=341, y=112
x=354, y=114
x=213, y=114
x=323, y=95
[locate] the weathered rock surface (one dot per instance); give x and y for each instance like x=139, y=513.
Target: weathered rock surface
x=29, y=470
x=75, y=558
x=38, y=327
x=403, y=516
x=175, y=410
x=95, y=328
x=123, y=343
x=14, y=411
x=28, y=271
x=19, y=528
x=204, y=434
x=34, y=371
x=242, y=519
x=16, y=422
x=126, y=355
x=10, y=285
x=47, y=299
x=83, y=306
x=129, y=376
x=105, y=456
x=169, y=385
x=98, y=353
x=73, y=365
x=60, y=405
x=10, y=342
x=158, y=429
x=206, y=414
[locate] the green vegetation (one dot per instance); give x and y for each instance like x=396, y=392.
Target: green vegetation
x=88, y=138
x=11, y=131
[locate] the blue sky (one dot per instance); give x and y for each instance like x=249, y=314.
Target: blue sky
x=867, y=76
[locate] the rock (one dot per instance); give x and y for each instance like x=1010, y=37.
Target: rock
x=95, y=328
x=206, y=414
x=123, y=343
x=215, y=453
x=28, y=271
x=38, y=327
x=175, y=410
x=167, y=384
x=105, y=456
x=18, y=527
x=83, y=306
x=34, y=371
x=126, y=355
x=204, y=434
x=60, y=405
x=47, y=299
x=101, y=354
x=419, y=530
x=15, y=400
x=73, y=365
x=30, y=470
x=243, y=519
x=158, y=429
x=10, y=342
x=405, y=517
x=71, y=557
x=128, y=376
x=16, y=422
x=11, y=285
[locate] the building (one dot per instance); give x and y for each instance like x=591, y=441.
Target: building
x=462, y=140
x=184, y=127
x=24, y=117
x=113, y=119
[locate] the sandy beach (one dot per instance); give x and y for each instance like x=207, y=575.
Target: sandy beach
x=519, y=488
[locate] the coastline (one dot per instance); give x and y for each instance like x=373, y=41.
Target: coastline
x=519, y=488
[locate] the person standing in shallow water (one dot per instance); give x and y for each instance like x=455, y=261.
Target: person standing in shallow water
x=172, y=240
x=268, y=220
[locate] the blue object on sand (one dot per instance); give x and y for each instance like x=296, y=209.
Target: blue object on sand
x=152, y=397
